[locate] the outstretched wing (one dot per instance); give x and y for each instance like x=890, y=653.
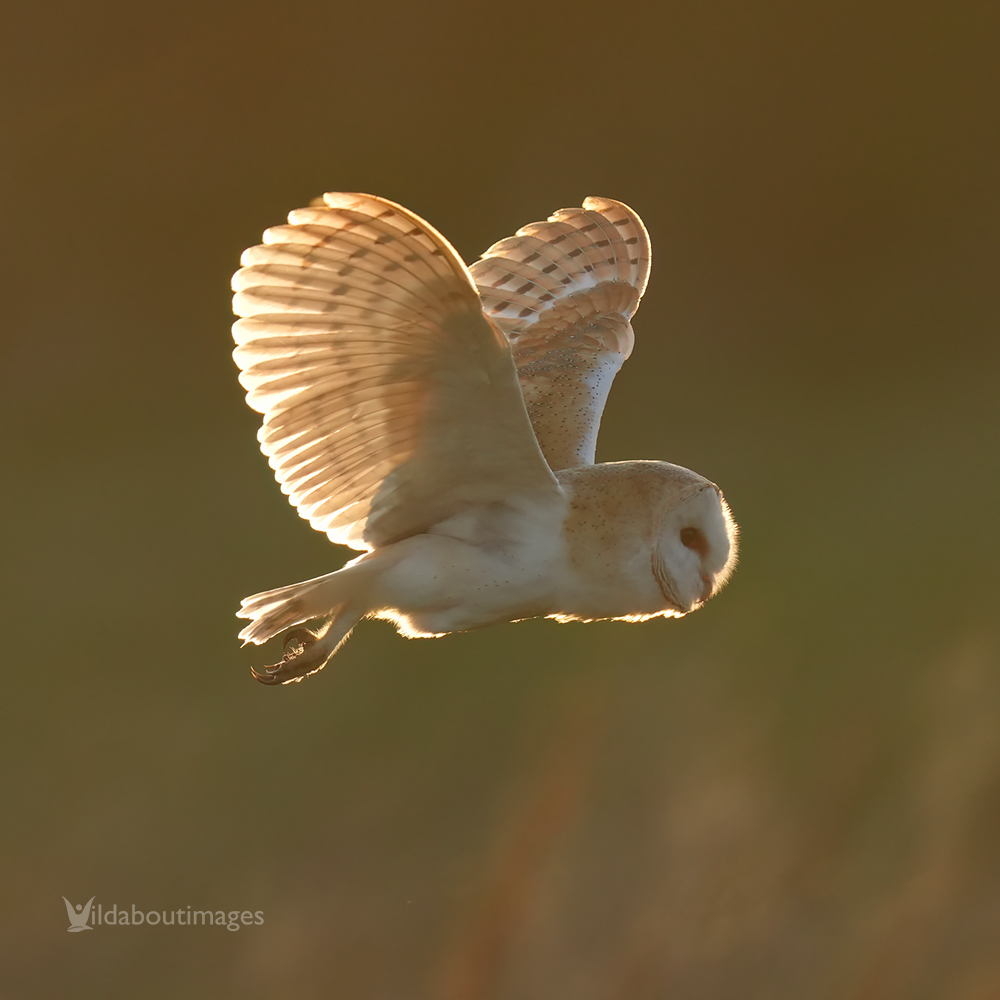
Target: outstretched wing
x=563, y=291
x=390, y=401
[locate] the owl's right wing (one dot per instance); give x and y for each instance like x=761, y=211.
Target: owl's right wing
x=390, y=401
x=563, y=291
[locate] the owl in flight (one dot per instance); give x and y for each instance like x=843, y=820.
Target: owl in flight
x=443, y=420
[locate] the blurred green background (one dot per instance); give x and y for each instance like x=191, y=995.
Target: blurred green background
x=793, y=793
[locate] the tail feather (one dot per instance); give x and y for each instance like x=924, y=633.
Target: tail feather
x=273, y=611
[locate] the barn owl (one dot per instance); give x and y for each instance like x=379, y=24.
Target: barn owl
x=443, y=420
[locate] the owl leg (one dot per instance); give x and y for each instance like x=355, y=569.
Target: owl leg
x=273, y=611
x=308, y=651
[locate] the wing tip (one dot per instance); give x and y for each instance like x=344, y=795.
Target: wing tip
x=515, y=286
x=596, y=203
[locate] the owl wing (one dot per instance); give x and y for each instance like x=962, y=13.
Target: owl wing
x=390, y=401
x=563, y=292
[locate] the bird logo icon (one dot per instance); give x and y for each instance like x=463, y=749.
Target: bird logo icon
x=78, y=915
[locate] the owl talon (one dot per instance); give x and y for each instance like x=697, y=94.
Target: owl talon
x=300, y=659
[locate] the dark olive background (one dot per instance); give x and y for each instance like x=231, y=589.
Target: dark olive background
x=793, y=793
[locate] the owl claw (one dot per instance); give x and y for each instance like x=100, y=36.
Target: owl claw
x=300, y=659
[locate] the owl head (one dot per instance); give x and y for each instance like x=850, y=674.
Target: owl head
x=695, y=549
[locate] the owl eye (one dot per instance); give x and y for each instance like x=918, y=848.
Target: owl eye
x=694, y=538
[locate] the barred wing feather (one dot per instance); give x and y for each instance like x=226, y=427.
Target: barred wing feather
x=390, y=401
x=563, y=292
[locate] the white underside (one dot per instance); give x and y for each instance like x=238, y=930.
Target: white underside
x=469, y=572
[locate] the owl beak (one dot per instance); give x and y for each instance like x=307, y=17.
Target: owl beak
x=706, y=590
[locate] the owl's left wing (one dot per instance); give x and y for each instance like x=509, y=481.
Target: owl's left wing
x=563, y=292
